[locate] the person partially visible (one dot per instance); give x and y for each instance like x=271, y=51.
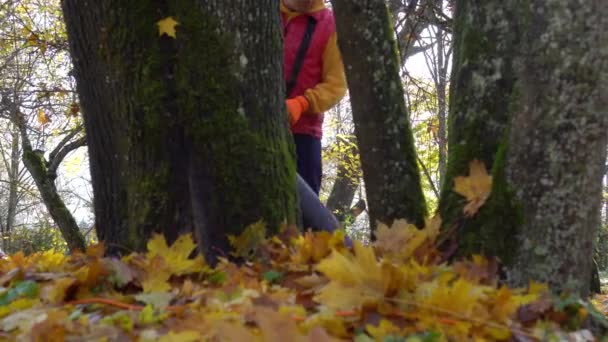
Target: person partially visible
x=314, y=79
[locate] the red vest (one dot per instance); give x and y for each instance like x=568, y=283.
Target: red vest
x=312, y=65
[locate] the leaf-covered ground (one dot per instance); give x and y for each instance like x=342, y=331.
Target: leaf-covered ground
x=290, y=287
x=307, y=287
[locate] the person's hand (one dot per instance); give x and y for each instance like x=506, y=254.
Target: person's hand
x=295, y=108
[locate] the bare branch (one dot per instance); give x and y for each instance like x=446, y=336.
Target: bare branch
x=58, y=158
x=428, y=176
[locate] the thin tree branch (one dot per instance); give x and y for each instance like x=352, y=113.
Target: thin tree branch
x=428, y=176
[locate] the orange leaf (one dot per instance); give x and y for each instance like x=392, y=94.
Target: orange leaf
x=43, y=119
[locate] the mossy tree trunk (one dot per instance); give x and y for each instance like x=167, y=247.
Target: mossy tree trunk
x=481, y=84
x=44, y=173
x=184, y=133
x=557, y=149
x=528, y=99
x=347, y=180
x=382, y=127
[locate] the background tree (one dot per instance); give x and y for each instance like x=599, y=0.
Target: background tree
x=33, y=51
x=417, y=27
x=386, y=145
x=347, y=176
x=179, y=124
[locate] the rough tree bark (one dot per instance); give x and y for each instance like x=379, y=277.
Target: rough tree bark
x=528, y=98
x=386, y=143
x=557, y=149
x=605, y=197
x=479, y=110
x=179, y=127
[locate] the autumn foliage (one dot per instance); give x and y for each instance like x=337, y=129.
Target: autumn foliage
x=290, y=287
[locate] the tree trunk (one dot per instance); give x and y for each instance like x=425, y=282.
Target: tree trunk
x=479, y=109
x=179, y=127
x=382, y=127
x=346, y=183
x=558, y=141
x=13, y=177
x=605, y=197
x=441, y=86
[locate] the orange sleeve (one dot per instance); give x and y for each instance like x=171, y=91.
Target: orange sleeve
x=333, y=84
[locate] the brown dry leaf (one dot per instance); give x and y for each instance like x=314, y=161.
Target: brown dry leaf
x=96, y=250
x=232, y=332
x=476, y=187
x=402, y=240
x=90, y=274
x=277, y=327
x=56, y=291
x=52, y=329
x=479, y=269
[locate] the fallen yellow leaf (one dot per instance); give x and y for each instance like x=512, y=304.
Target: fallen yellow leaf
x=357, y=279
x=176, y=257
x=403, y=239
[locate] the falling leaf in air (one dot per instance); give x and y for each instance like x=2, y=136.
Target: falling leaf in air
x=43, y=119
x=475, y=188
x=167, y=26
x=74, y=109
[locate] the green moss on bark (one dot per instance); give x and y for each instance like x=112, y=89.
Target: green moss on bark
x=183, y=103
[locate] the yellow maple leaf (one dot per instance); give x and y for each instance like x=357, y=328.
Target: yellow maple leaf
x=167, y=26
x=459, y=301
x=176, y=257
x=157, y=276
x=51, y=261
x=475, y=188
x=357, y=279
x=312, y=247
x=43, y=119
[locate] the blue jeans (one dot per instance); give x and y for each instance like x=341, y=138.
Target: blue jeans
x=308, y=153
